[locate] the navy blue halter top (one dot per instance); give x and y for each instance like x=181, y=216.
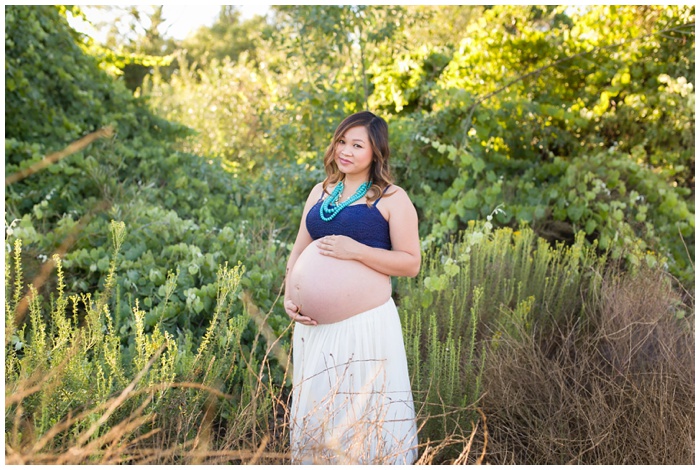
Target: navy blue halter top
x=360, y=222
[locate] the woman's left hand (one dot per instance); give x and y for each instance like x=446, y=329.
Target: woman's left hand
x=339, y=246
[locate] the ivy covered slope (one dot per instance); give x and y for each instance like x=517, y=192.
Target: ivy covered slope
x=182, y=212
x=572, y=121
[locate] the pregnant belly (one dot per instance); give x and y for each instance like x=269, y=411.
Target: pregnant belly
x=330, y=290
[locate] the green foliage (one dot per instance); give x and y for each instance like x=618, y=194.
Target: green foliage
x=557, y=143
x=61, y=103
x=52, y=98
x=187, y=215
x=224, y=104
x=562, y=122
x=134, y=46
x=277, y=103
x=228, y=38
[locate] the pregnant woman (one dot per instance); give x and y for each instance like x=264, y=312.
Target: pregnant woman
x=352, y=400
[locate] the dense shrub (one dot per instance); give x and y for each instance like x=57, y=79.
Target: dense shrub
x=498, y=375
x=484, y=285
x=616, y=389
x=572, y=122
x=571, y=119
x=185, y=213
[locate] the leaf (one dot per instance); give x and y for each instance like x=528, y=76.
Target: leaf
x=591, y=225
x=103, y=264
x=575, y=211
x=478, y=165
x=470, y=199
x=451, y=269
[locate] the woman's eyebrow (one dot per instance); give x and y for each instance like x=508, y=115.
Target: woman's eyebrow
x=354, y=140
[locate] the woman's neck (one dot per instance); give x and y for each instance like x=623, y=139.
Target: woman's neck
x=354, y=181
x=351, y=184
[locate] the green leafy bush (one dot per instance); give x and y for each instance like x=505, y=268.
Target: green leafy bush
x=185, y=212
x=571, y=125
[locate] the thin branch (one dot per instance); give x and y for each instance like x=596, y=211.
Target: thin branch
x=486, y=438
x=690, y=258
x=76, y=146
x=362, y=61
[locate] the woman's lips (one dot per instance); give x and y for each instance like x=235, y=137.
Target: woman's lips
x=344, y=161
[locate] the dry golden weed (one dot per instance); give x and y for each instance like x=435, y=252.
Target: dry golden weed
x=616, y=389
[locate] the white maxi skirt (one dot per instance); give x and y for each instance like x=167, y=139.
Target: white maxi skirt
x=352, y=400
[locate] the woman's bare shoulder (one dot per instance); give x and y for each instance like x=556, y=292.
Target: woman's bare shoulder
x=397, y=193
x=396, y=201
x=317, y=190
x=315, y=194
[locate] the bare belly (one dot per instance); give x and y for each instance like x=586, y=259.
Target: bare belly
x=330, y=290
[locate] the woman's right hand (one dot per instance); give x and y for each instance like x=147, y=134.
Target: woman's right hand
x=294, y=312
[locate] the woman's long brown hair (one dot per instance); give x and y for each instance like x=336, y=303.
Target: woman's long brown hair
x=379, y=173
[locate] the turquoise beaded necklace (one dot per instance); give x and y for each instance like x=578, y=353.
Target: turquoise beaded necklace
x=330, y=207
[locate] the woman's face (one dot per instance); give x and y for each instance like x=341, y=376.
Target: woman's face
x=353, y=152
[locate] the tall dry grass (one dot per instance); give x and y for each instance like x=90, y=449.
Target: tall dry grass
x=193, y=423
x=74, y=395
x=484, y=284
x=59, y=411
x=176, y=432
x=615, y=389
